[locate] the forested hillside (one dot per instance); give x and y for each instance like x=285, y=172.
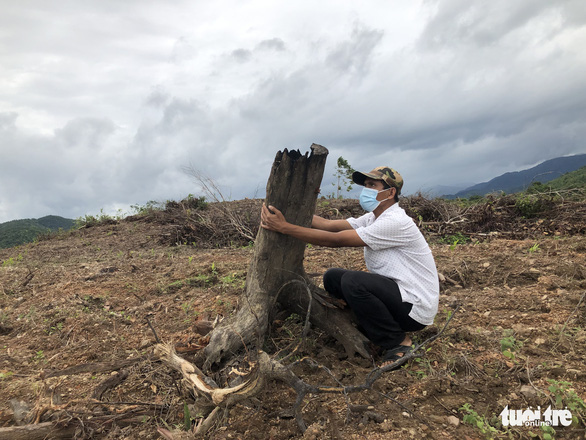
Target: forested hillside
x=575, y=179
x=16, y=232
x=517, y=181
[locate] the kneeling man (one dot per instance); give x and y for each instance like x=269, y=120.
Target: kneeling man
x=400, y=291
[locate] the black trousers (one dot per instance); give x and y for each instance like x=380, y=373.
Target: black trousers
x=376, y=302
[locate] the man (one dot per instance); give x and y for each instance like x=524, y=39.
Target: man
x=400, y=291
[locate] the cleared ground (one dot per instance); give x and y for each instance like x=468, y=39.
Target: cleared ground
x=518, y=339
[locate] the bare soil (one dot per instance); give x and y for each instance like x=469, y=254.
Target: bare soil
x=84, y=298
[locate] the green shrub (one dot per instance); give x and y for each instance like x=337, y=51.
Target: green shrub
x=94, y=220
x=471, y=417
x=532, y=205
x=455, y=239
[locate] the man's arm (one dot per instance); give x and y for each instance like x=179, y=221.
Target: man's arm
x=273, y=220
x=330, y=225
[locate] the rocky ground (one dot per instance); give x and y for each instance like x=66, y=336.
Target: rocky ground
x=75, y=345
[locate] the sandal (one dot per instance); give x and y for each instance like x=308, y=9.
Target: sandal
x=394, y=354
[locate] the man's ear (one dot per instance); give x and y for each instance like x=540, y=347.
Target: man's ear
x=391, y=194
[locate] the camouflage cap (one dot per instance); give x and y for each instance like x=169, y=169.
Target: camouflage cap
x=386, y=174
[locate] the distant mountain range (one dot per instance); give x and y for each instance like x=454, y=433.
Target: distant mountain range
x=16, y=232
x=520, y=180
x=439, y=190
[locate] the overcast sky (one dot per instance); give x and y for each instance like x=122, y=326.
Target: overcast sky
x=104, y=103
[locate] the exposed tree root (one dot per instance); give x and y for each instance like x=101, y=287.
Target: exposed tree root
x=264, y=369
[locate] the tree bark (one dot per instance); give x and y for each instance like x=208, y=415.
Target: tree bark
x=39, y=431
x=334, y=321
x=293, y=187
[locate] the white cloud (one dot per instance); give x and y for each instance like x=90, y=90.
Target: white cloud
x=103, y=103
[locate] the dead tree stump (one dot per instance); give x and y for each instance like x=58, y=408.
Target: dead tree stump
x=293, y=187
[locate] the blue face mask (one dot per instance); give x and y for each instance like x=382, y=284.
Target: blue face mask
x=368, y=199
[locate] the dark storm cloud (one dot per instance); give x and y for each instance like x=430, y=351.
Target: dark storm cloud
x=158, y=97
x=459, y=102
x=297, y=93
x=271, y=44
x=498, y=82
x=104, y=105
x=242, y=55
x=160, y=149
x=353, y=55
x=460, y=23
x=56, y=170
x=84, y=133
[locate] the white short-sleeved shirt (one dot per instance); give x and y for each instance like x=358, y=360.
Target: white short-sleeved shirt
x=395, y=248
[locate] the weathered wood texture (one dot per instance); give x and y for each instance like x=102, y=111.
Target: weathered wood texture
x=39, y=431
x=293, y=187
x=334, y=321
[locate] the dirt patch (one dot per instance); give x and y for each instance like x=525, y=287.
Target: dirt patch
x=83, y=298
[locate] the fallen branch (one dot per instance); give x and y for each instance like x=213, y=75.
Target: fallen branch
x=37, y=432
x=204, y=386
x=265, y=369
x=29, y=277
x=156, y=406
x=570, y=317
x=153, y=329
x=97, y=367
x=110, y=382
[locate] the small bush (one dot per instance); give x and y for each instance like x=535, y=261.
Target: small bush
x=150, y=207
x=88, y=221
x=532, y=205
x=455, y=239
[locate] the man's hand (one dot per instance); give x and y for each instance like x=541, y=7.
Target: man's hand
x=272, y=219
x=329, y=225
